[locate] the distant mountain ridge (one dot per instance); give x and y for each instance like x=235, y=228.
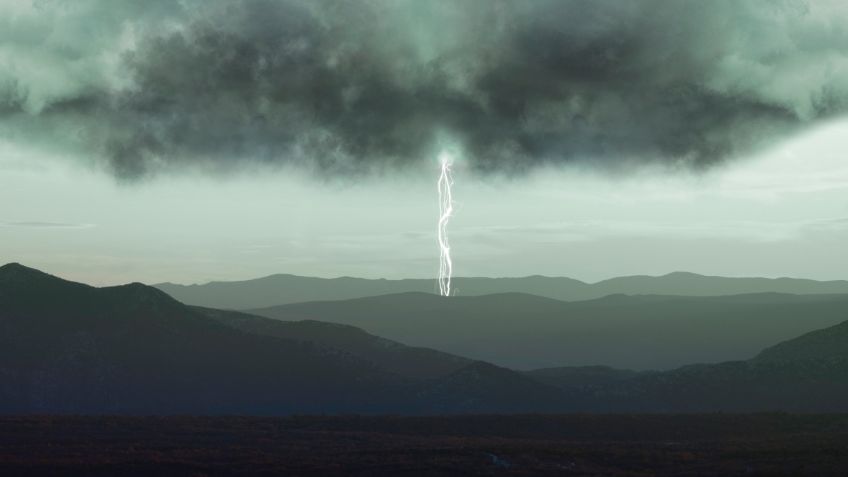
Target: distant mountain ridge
x=66, y=347
x=285, y=289
x=804, y=374
x=522, y=331
x=419, y=363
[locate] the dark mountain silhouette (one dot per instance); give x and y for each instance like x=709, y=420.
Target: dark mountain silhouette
x=829, y=344
x=517, y=393
x=382, y=353
x=796, y=375
x=804, y=374
x=284, y=289
x=640, y=332
x=71, y=348
x=585, y=378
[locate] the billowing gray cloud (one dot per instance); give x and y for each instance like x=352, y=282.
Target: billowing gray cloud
x=347, y=87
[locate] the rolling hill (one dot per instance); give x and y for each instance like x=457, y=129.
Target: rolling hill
x=523, y=331
x=805, y=374
x=285, y=289
x=70, y=348
x=382, y=353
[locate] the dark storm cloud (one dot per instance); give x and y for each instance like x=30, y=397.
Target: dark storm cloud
x=348, y=87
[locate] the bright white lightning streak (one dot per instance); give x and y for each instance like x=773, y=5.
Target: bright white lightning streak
x=445, y=212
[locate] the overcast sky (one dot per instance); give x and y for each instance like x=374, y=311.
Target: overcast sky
x=194, y=141
x=784, y=213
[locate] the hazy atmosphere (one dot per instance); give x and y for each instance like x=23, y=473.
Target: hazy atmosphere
x=783, y=213
x=424, y=237
x=194, y=141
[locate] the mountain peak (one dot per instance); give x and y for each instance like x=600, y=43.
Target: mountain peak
x=143, y=293
x=16, y=272
x=14, y=266
x=681, y=274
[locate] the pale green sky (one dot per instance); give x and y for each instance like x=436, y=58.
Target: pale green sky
x=200, y=140
x=782, y=213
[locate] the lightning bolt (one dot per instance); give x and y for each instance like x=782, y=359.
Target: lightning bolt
x=445, y=211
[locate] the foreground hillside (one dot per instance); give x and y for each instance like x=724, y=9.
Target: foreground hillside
x=538, y=445
x=70, y=348
x=807, y=373
x=640, y=332
x=284, y=289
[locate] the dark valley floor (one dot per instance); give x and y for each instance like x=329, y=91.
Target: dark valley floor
x=577, y=445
